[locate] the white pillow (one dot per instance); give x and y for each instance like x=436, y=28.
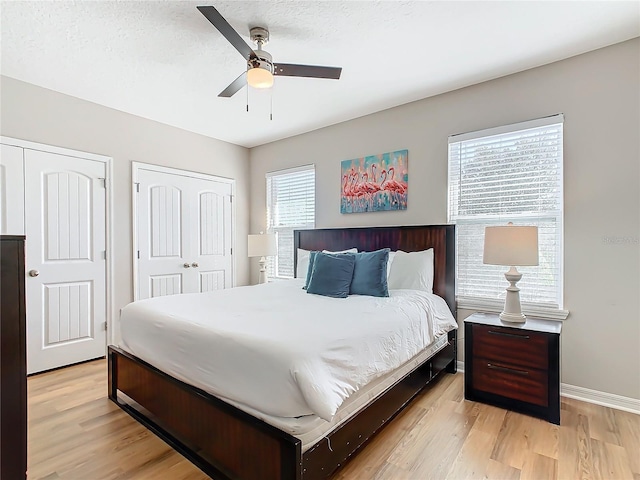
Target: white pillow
x=351, y=250
x=391, y=256
x=413, y=270
x=303, y=260
x=303, y=263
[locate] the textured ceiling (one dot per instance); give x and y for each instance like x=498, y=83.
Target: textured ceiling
x=164, y=61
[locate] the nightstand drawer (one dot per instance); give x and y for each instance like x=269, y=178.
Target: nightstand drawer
x=519, y=383
x=511, y=346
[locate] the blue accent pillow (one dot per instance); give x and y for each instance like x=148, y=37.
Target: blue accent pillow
x=370, y=274
x=312, y=259
x=332, y=274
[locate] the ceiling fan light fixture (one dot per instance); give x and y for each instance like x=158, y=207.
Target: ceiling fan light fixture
x=259, y=77
x=260, y=65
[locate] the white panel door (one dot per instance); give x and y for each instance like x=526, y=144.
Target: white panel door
x=183, y=234
x=162, y=236
x=11, y=190
x=65, y=250
x=212, y=240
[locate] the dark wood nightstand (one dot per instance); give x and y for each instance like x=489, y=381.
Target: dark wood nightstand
x=513, y=365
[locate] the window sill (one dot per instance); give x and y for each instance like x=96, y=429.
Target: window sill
x=547, y=312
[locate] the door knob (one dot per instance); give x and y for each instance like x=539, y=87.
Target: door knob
x=34, y=273
x=186, y=265
x=195, y=265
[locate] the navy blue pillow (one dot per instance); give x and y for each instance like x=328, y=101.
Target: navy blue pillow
x=332, y=274
x=370, y=273
x=312, y=259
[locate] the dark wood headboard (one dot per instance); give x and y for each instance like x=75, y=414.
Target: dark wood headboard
x=407, y=238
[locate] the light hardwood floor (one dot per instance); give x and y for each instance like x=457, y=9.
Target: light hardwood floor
x=76, y=433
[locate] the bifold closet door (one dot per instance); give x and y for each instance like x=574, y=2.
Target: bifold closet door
x=183, y=234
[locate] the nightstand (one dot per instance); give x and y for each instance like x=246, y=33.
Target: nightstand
x=513, y=365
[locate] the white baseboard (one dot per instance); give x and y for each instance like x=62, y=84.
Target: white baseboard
x=601, y=398
x=605, y=399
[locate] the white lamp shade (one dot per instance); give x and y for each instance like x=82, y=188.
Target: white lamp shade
x=259, y=77
x=511, y=245
x=263, y=245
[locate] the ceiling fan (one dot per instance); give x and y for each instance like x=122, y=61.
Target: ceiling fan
x=260, y=66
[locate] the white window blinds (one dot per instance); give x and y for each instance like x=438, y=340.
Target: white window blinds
x=500, y=175
x=291, y=205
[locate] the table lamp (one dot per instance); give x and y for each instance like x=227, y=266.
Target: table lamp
x=512, y=246
x=262, y=245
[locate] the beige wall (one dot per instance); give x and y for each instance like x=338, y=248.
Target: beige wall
x=40, y=115
x=599, y=94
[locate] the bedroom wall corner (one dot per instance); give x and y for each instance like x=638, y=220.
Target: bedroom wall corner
x=36, y=114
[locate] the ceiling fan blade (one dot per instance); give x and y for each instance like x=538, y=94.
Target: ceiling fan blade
x=314, y=71
x=227, y=31
x=234, y=86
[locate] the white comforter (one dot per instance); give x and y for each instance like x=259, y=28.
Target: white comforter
x=278, y=349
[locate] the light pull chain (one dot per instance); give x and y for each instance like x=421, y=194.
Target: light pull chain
x=271, y=104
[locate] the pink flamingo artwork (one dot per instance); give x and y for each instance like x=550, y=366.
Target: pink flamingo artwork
x=394, y=185
x=366, y=190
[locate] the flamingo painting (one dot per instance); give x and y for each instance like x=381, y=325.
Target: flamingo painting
x=375, y=183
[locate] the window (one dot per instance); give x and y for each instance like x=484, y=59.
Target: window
x=291, y=205
x=500, y=175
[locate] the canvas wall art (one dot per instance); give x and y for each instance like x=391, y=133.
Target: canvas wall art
x=375, y=183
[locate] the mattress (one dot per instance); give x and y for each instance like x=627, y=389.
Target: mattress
x=276, y=349
x=310, y=428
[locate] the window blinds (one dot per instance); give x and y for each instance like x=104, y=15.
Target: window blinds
x=291, y=202
x=508, y=174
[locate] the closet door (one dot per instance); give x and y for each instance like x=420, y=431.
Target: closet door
x=11, y=190
x=163, y=251
x=66, y=259
x=183, y=233
x=211, y=239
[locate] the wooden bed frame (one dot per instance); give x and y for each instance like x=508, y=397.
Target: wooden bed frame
x=227, y=443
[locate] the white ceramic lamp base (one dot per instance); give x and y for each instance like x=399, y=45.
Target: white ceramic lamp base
x=512, y=309
x=263, y=278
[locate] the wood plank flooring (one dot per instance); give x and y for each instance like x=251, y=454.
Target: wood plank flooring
x=76, y=433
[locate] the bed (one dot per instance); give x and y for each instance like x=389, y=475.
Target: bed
x=228, y=440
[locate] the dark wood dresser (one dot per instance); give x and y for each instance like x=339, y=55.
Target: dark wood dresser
x=513, y=366
x=13, y=360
